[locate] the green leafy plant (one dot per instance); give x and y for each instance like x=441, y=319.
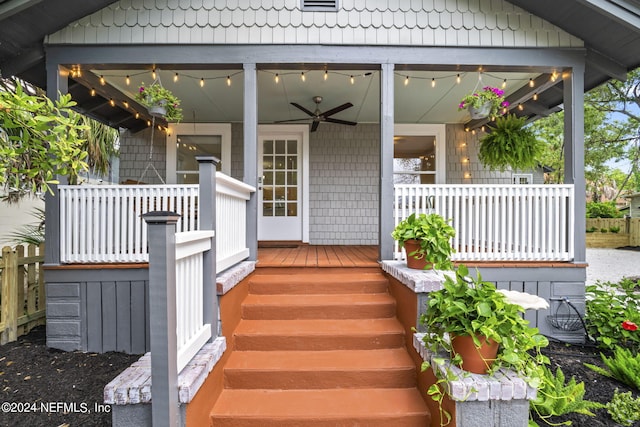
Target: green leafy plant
x=604, y=230
x=614, y=229
x=608, y=307
x=602, y=210
x=467, y=306
x=39, y=139
x=624, y=366
x=434, y=235
x=478, y=98
x=591, y=229
x=156, y=95
x=510, y=144
x=623, y=408
x=556, y=397
x=31, y=234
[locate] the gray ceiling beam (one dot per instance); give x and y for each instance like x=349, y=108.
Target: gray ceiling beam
x=11, y=7
x=22, y=62
x=516, y=59
x=620, y=11
x=606, y=65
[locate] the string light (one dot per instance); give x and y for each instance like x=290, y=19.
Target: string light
x=153, y=73
x=202, y=82
x=127, y=80
x=458, y=79
x=520, y=107
x=126, y=104
x=102, y=82
x=433, y=82
x=228, y=81
x=137, y=115
x=326, y=75
x=554, y=76
x=406, y=81
x=504, y=83
x=175, y=78
x=93, y=92
x=353, y=80
x=535, y=96
x=531, y=84
x=303, y=77
x=112, y=102
x=148, y=122
x=277, y=78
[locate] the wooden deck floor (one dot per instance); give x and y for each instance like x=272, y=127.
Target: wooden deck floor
x=318, y=256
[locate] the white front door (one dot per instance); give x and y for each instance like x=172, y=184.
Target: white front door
x=280, y=187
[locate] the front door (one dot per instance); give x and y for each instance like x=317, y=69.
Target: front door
x=280, y=187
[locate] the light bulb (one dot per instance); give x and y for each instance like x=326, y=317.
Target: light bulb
x=127, y=80
x=93, y=92
x=531, y=84
x=202, y=82
x=535, y=96
x=433, y=82
x=112, y=102
x=102, y=82
x=153, y=74
x=353, y=80
x=277, y=78
x=458, y=79
x=504, y=83
x=175, y=78
x=406, y=81
x=303, y=77
x=326, y=75
x=228, y=81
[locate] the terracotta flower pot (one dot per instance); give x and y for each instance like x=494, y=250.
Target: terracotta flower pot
x=413, y=262
x=475, y=359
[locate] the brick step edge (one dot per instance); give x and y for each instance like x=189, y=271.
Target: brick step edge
x=133, y=385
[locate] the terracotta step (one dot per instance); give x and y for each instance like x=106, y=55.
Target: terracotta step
x=321, y=334
x=333, y=306
x=317, y=283
x=320, y=408
x=387, y=368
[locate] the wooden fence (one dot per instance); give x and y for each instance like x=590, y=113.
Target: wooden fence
x=628, y=234
x=22, y=298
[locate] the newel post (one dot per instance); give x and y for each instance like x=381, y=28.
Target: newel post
x=162, y=313
x=207, y=220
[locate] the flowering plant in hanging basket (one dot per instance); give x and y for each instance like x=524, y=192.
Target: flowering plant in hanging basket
x=484, y=103
x=156, y=98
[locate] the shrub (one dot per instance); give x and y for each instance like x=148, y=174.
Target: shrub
x=614, y=229
x=623, y=408
x=602, y=210
x=591, y=229
x=608, y=307
x=557, y=397
x=603, y=230
x=623, y=366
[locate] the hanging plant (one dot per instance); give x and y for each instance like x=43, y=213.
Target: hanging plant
x=509, y=144
x=160, y=101
x=484, y=103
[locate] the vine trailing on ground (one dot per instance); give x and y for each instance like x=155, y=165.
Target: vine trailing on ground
x=624, y=366
x=623, y=408
x=558, y=397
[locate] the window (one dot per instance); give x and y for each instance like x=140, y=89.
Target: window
x=414, y=159
x=522, y=178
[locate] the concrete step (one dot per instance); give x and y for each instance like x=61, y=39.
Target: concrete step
x=317, y=283
x=331, y=306
x=386, y=368
x=318, y=335
x=402, y=407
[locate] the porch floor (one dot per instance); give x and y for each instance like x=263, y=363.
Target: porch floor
x=302, y=255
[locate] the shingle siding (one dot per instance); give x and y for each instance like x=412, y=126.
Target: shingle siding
x=134, y=157
x=379, y=22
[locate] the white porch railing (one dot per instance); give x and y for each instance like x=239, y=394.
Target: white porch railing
x=498, y=222
x=103, y=224
x=191, y=331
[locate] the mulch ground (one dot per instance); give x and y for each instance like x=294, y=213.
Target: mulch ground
x=70, y=384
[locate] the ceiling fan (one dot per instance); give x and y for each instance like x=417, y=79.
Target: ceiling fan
x=319, y=116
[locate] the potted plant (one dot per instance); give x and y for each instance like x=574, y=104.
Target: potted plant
x=160, y=102
x=510, y=144
x=475, y=311
x=427, y=241
x=484, y=103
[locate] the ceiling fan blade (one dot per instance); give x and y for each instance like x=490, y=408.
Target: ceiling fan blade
x=314, y=125
x=336, y=110
x=306, y=119
x=342, y=122
x=300, y=107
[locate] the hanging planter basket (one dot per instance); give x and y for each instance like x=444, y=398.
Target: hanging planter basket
x=160, y=102
x=480, y=112
x=157, y=110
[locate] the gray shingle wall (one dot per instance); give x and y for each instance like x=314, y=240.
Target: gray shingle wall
x=237, y=150
x=343, y=184
x=463, y=165
x=371, y=22
x=134, y=156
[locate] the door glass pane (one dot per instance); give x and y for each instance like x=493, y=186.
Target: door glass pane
x=190, y=146
x=267, y=209
x=268, y=147
x=280, y=147
x=292, y=178
x=280, y=182
x=292, y=147
x=292, y=209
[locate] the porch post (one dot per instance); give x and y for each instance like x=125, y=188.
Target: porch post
x=574, y=153
x=386, y=162
x=207, y=214
x=56, y=82
x=250, y=175
x=162, y=316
